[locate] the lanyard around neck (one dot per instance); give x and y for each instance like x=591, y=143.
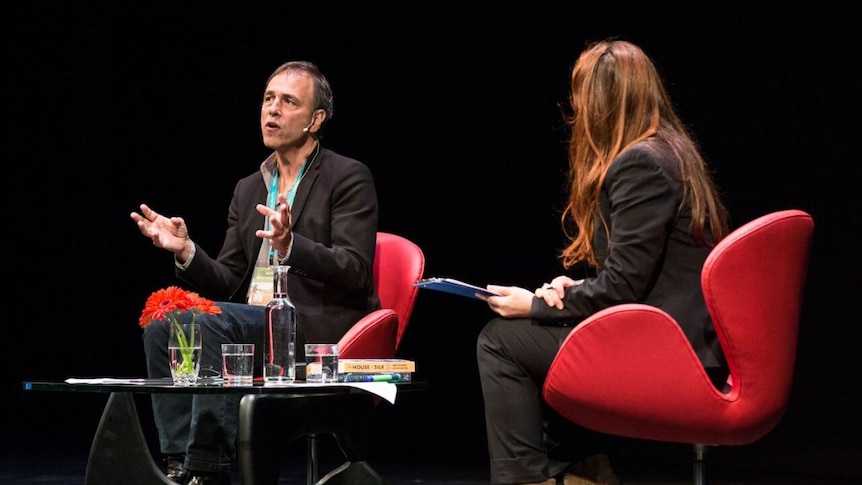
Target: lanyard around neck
x=272, y=197
x=272, y=201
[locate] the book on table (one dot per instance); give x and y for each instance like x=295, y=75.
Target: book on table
x=375, y=377
x=375, y=370
x=376, y=365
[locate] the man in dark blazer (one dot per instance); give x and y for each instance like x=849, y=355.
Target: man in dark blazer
x=306, y=207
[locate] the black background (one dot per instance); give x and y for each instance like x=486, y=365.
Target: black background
x=455, y=108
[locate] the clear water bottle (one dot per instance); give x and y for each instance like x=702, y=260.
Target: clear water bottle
x=279, y=349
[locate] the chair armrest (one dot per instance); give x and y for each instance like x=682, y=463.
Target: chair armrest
x=372, y=337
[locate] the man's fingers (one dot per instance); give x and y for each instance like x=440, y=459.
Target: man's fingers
x=149, y=214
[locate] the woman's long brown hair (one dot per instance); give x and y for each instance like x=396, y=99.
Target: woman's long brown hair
x=618, y=99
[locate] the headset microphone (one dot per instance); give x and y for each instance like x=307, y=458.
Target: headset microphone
x=305, y=130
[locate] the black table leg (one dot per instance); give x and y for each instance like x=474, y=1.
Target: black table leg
x=119, y=453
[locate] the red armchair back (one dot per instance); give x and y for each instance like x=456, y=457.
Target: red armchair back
x=629, y=370
x=398, y=263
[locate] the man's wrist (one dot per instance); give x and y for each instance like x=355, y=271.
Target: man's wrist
x=181, y=262
x=282, y=256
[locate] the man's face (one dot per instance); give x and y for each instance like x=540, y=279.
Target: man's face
x=286, y=109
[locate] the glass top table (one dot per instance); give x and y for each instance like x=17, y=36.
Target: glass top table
x=385, y=390
x=120, y=454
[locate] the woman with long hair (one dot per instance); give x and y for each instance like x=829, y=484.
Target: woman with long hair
x=643, y=213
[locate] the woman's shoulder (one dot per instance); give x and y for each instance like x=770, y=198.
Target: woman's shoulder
x=652, y=147
x=645, y=163
x=650, y=152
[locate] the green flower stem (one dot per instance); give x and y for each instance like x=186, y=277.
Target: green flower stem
x=186, y=350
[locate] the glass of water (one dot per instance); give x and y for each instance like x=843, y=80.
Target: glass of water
x=321, y=362
x=237, y=364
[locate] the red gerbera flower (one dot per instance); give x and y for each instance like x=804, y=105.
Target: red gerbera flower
x=171, y=301
x=168, y=304
x=202, y=305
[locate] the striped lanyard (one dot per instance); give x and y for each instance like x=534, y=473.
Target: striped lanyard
x=272, y=197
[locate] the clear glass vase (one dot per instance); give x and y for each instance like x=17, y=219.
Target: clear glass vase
x=184, y=352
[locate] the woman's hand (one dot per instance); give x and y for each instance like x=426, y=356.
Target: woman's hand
x=513, y=302
x=554, y=291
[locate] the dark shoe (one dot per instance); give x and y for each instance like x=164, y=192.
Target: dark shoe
x=209, y=479
x=176, y=473
x=594, y=470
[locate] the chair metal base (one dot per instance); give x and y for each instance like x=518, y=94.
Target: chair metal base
x=699, y=465
x=270, y=422
x=352, y=473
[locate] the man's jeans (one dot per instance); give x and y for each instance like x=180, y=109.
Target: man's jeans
x=202, y=426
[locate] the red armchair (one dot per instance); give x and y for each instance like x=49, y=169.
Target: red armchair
x=275, y=420
x=629, y=370
x=397, y=265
